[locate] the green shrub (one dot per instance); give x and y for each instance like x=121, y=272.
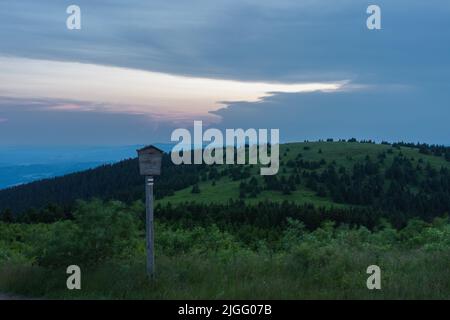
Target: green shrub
x=100, y=231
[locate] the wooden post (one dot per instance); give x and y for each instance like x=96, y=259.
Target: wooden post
x=149, y=166
x=149, y=226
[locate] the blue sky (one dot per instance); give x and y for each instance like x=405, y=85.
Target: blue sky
x=138, y=69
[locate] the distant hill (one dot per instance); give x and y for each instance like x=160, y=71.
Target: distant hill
x=25, y=164
x=408, y=180
x=14, y=175
x=110, y=181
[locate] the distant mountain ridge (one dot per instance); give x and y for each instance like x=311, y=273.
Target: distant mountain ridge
x=21, y=165
x=21, y=174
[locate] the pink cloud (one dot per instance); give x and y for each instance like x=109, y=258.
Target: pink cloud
x=3, y=120
x=70, y=107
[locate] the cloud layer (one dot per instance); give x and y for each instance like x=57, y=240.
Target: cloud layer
x=218, y=51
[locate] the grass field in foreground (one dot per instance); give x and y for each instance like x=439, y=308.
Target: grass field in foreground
x=209, y=264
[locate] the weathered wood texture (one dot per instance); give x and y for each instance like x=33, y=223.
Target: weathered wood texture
x=149, y=227
x=150, y=161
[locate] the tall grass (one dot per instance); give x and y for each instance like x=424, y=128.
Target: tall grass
x=208, y=263
x=417, y=275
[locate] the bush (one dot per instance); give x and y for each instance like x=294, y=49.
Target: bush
x=99, y=231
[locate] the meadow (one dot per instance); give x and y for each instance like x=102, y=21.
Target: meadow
x=208, y=263
x=225, y=232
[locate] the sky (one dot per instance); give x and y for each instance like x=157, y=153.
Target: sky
x=139, y=69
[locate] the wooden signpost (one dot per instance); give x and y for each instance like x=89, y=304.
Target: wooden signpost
x=149, y=165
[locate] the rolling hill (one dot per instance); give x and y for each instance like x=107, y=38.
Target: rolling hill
x=343, y=154
x=402, y=180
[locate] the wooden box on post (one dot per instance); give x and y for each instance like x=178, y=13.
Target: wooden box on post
x=150, y=158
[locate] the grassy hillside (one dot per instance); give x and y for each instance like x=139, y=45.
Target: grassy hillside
x=345, y=154
x=393, y=178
